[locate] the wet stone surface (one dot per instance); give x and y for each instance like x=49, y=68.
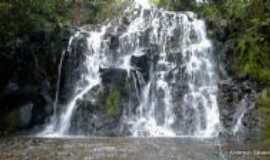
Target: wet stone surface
x=26, y=148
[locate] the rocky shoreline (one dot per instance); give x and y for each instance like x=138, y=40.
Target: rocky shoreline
x=23, y=148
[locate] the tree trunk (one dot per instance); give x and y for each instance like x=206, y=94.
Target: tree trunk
x=76, y=20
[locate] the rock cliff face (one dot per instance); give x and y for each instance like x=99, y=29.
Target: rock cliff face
x=28, y=68
x=239, y=116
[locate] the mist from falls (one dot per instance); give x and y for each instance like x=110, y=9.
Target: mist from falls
x=178, y=95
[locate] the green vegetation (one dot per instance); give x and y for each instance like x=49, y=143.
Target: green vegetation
x=112, y=102
x=246, y=24
x=175, y=5
x=20, y=17
x=98, y=11
x=263, y=103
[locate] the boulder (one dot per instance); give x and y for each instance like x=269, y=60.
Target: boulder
x=23, y=108
x=113, y=75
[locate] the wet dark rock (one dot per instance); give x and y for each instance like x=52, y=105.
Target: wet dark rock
x=25, y=115
x=28, y=66
x=113, y=75
x=93, y=120
x=236, y=97
x=114, y=42
x=93, y=115
x=23, y=108
x=73, y=63
x=142, y=64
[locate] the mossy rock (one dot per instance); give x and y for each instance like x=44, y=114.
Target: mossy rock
x=10, y=122
x=112, y=103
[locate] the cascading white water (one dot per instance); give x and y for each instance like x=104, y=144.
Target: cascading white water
x=197, y=59
x=59, y=127
x=202, y=94
x=185, y=59
x=51, y=127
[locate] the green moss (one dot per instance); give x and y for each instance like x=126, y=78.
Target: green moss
x=112, y=102
x=10, y=122
x=263, y=103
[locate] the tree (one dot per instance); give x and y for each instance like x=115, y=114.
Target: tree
x=76, y=7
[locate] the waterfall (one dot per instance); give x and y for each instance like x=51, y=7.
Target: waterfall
x=177, y=92
x=51, y=127
x=182, y=35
